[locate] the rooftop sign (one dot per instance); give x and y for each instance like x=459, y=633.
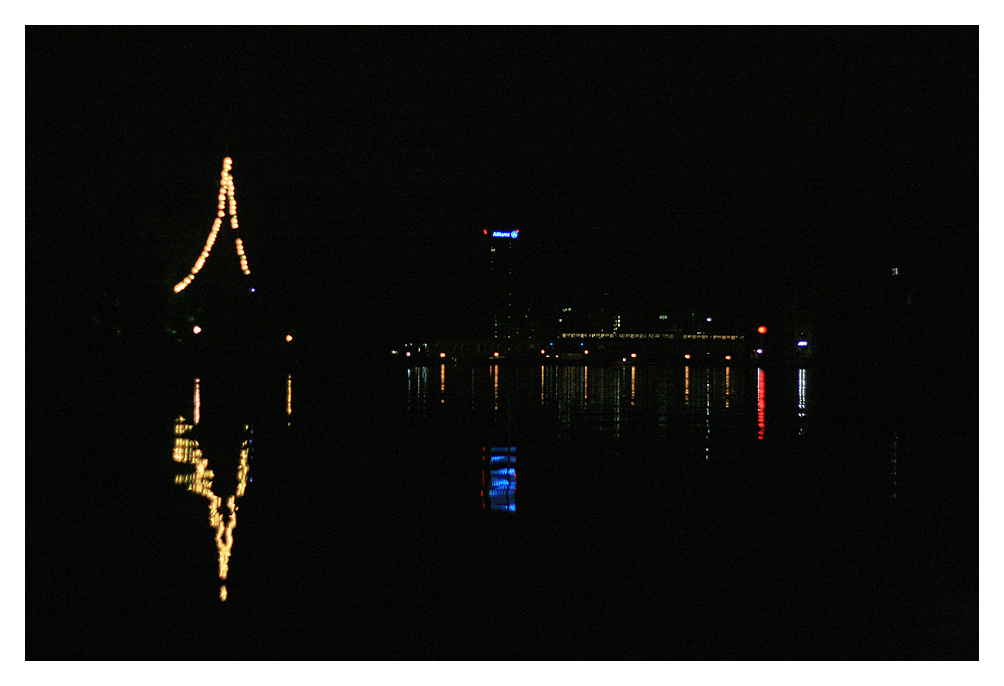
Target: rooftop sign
x=505, y=234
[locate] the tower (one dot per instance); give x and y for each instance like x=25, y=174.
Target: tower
x=505, y=305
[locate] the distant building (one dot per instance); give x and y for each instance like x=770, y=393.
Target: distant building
x=505, y=298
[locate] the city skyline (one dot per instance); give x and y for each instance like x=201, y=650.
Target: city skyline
x=765, y=164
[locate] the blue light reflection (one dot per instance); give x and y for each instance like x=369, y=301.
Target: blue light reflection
x=501, y=479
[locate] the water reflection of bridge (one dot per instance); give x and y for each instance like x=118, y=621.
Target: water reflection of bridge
x=200, y=481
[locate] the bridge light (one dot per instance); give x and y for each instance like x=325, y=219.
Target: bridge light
x=728, y=357
x=196, y=329
x=442, y=354
x=495, y=354
x=226, y=190
x=634, y=354
x=289, y=338
x=687, y=356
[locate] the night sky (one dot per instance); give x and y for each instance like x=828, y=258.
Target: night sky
x=765, y=163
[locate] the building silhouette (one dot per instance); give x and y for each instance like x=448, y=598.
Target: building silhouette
x=506, y=323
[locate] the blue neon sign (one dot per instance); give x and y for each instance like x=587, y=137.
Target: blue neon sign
x=506, y=234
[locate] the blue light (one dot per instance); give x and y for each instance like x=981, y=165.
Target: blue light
x=505, y=234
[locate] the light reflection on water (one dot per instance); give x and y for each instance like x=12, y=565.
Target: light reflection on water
x=691, y=410
x=200, y=481
x=498, y=478
x=701, y=409
x=606, y=398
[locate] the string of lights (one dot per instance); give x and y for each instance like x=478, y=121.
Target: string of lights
x=226, y=195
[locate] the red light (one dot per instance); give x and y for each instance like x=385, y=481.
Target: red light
x=486, y=232
x=762, y=329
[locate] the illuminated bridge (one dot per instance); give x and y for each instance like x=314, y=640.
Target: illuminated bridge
x=226, y=194
x=217, y=307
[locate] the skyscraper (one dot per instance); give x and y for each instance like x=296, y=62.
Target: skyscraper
x=506, y=305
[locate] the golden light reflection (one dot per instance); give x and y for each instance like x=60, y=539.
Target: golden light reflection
x=289, y=394
x=196, y=403
x=226, y=191
x=728, y=387
x=633, y=370
x=442, y=382
x=686, y=384
x=495, y=376
x=200, y=481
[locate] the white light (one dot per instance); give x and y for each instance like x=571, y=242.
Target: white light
x=709, y=319
x=759, y=351
x=196, y=329
x=802, y=344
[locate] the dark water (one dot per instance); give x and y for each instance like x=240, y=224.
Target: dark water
x=632, y=512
